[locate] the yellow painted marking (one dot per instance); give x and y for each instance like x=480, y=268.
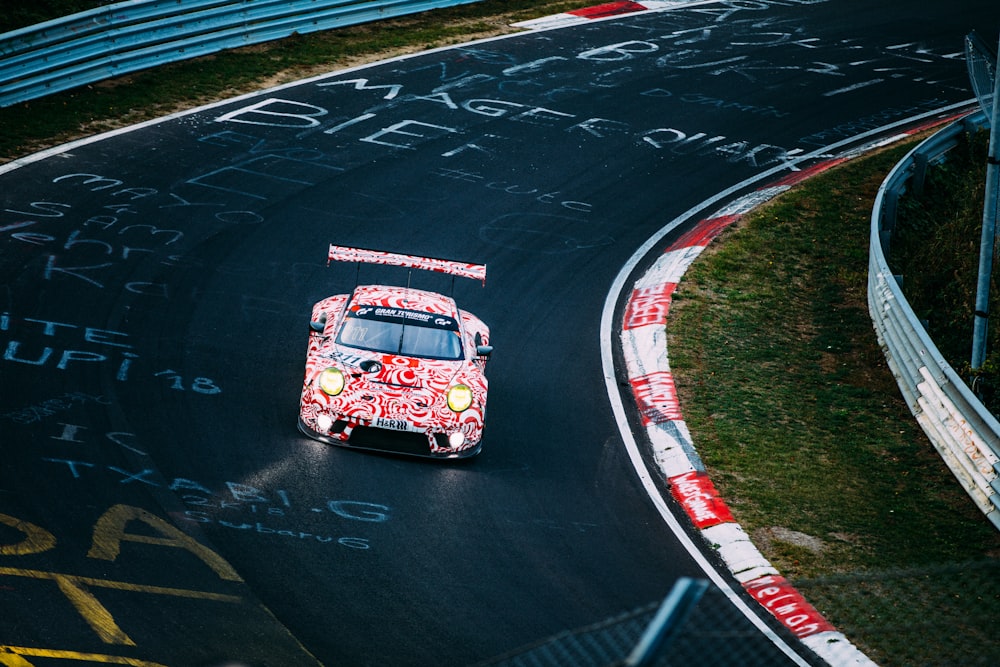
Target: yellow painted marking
x=96, y=614
x=36, y=539
x=109, y=532
x=13, y=656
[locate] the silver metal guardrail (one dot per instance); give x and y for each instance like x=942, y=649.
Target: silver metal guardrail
x=129, y=36
x=962, y=430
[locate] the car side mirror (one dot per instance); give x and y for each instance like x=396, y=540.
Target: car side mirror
x=484, y=350
x=318, y=325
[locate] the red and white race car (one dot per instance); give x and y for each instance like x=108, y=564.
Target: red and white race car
x=396, y=369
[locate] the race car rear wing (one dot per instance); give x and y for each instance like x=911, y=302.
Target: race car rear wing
x=363, y=256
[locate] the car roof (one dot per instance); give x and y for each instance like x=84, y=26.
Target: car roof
x=407, y=298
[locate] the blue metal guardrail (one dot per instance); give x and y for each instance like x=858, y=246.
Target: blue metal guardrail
x=965, y=433
x=129, y=36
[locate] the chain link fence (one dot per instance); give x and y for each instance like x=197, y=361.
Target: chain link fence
x=941, y=616
x=947, y=615
x=713, y=634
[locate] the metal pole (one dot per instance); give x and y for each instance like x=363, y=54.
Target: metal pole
x=666, y=624
x=988, y=233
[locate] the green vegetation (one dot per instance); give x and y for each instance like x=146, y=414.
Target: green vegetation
x=789, y=398
x=803, y=430
x=20, y=14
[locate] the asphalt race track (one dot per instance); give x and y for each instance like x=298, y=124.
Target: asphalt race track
x=157, y=502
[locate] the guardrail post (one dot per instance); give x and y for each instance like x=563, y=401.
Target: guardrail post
x=988, y=234
x=920, y=162
x=887, y=222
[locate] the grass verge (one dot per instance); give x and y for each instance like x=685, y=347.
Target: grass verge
x=803, y=430
x=789, y=398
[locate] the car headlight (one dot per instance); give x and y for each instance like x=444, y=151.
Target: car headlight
x=324, y=423
x=331, y=381
x=459, y=397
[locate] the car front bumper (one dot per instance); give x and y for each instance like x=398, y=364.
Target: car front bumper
x=363, y=435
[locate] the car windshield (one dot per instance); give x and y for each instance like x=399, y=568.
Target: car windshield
x=410, y=333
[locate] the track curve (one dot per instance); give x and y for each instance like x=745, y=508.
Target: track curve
x=157, y=501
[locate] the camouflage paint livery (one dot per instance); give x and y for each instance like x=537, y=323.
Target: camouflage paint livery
x=396, y=369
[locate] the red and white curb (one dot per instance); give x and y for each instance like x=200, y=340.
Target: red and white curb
x=644, y=343
x=607, y=10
